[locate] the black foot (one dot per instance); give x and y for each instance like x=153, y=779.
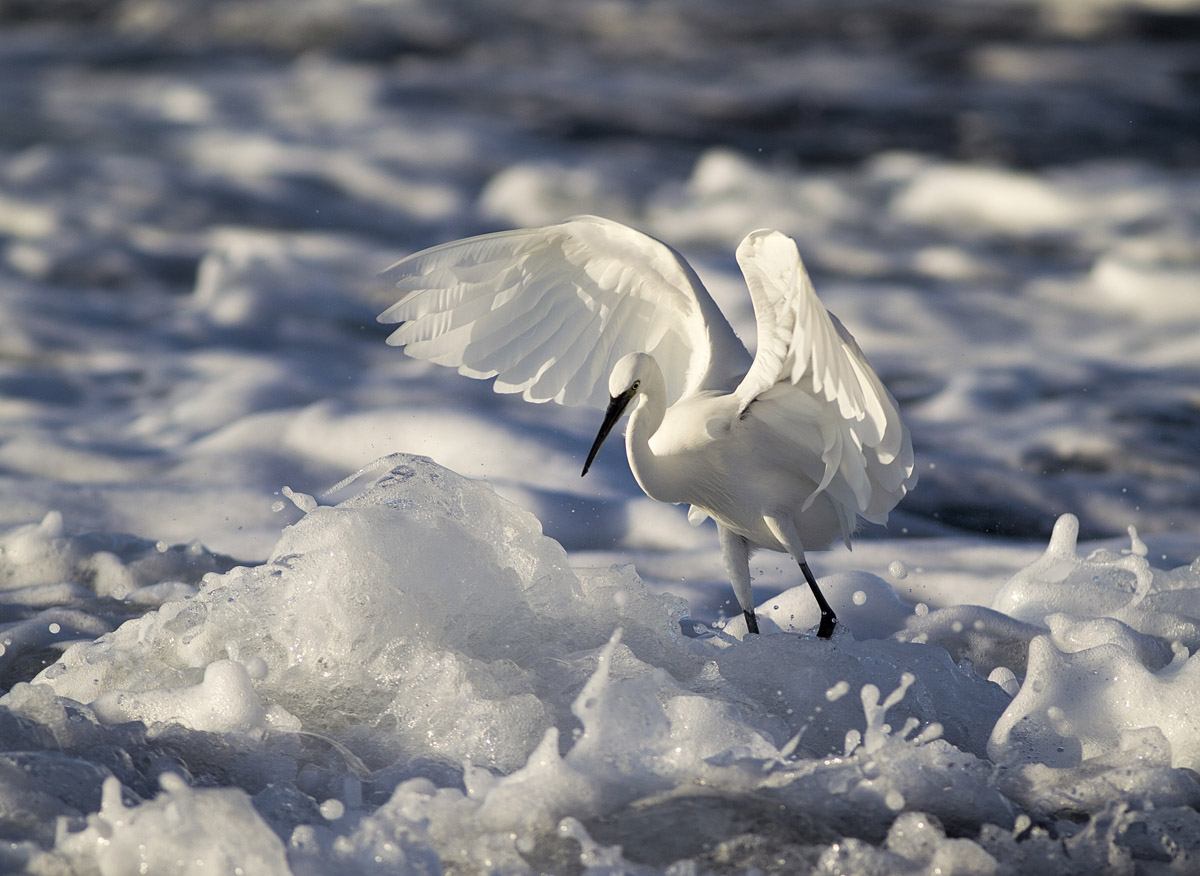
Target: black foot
x=752, y=622
x=828, y=622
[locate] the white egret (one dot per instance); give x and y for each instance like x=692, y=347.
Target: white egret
x=784, y=451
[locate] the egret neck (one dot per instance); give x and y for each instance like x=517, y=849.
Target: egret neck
x=639, y=382
x=653, y=471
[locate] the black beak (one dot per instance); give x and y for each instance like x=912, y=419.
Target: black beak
x=616, y=408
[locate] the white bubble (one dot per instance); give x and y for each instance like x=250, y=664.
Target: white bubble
x=859, y=597
x=1005, y=677
x=332, y=810
x=256, y=668
x=55, y=629
x=898, y=570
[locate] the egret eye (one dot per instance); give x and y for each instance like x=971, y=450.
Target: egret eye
x=636, y=384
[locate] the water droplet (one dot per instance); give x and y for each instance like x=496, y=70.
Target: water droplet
x=332, y=810
x=838, y=691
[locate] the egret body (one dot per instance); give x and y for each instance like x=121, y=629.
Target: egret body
x=784, y=451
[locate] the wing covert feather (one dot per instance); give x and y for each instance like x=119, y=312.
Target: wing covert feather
x=549, y=311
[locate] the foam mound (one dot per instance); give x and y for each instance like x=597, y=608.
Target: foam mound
x=418, y=681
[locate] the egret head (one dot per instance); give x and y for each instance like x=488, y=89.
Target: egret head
x=624, y=384
x=630, y=369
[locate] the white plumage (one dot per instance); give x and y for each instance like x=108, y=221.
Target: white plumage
x=784, y=451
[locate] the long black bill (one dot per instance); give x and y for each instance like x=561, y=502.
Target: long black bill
x=616, y=408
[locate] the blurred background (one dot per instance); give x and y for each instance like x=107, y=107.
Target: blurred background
x=1001, y=199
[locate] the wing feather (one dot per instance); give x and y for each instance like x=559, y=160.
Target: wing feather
x=549, y=311
x=806, y=354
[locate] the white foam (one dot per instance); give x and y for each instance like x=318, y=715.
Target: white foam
x=427, y=625
x=182, y=830
x=418, y=682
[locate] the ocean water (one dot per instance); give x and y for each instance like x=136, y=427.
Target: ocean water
x=466, y=659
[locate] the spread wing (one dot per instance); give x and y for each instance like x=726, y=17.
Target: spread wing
x=808, y=368
x=549, y=311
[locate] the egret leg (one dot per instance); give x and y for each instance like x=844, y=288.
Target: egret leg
x=828, y=618
x=785, y=531
x=735, y=551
